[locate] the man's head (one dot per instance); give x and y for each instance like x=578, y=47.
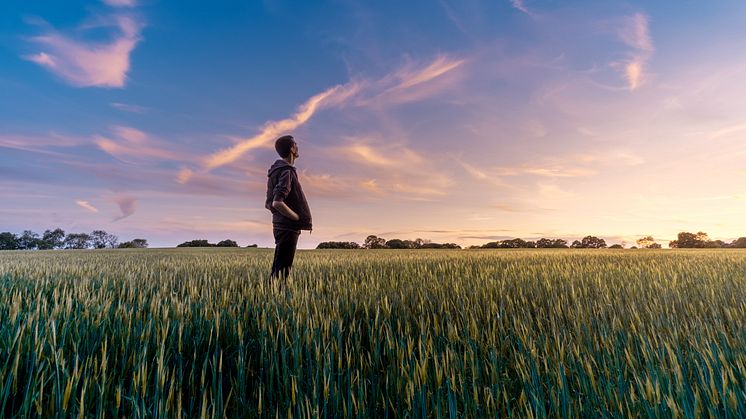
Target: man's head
x=286, y=147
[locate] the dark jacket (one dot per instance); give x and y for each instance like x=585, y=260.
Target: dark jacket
x=283, y=185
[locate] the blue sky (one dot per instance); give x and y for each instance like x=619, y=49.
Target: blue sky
x=464, y=121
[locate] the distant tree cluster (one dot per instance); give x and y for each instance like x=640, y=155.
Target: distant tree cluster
x=700, y=240
x=57, y=239
x=375, y=242
x=338, y=245
x=542, y=243
x=205, y=243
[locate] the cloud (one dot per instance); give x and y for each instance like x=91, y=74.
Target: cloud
x=127, y=205
x=520, y=5
x=184, y=175
x=414, y=82
x=40, y=143
x=635, y=32
x=272, y=129
x=361, y=150
x=128, y=142
x=558, y=171
x=86, y=205
x=85, y=63
x=128, y=108
x=324, y=185
x=120, y=3
x=405, y=84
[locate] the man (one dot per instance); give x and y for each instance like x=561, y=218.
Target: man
x=286, y=201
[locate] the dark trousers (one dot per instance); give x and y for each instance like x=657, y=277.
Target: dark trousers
x=285, y=243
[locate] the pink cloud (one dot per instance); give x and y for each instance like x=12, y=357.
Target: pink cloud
x=86, y=63
x=635, y=32
x=128, y=142
x=127, y=205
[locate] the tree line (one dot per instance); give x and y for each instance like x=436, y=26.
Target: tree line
x=684, y=240
x=375, y=242
x=57, y=239
x=205, y=243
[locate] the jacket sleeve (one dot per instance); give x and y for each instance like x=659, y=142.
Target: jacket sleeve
x=283, y=186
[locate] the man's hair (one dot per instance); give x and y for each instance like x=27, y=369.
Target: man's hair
x=283, y=145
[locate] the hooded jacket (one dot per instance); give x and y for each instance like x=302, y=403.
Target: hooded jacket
x=283, y=185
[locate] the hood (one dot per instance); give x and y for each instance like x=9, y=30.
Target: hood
x=279, y=165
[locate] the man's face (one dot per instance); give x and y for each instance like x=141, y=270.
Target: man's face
x=294, y=150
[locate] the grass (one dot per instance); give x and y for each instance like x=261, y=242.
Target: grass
x=535, y=333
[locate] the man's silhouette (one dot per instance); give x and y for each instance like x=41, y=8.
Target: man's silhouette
x=286, y=201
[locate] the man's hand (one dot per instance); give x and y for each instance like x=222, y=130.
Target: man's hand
x=285, y=210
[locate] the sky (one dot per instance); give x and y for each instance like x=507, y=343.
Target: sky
x=454, y=121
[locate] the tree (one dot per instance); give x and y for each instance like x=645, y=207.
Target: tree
x=551, y=243
x=687, y=240
x=196, y=243
x=101, y=240
x=512, y=244
x=593, y=242
x=739, y=242
x=396, y=244
x=374, y=242
x=52, y=239
x=646, y=242
x=8, y=241
x=227, y=243
x=28, y=240
x=576, y=244
x=338, y=245
x=134, y=244
x=616, y=246
x=655, y=246
x=77, y=241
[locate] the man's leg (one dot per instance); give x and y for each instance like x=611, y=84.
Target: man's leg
x=285, y=243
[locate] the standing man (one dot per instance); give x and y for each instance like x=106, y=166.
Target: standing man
x=286, y=201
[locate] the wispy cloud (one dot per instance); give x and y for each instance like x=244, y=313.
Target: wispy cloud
x=127, y=206
x=520, y=5
x=362, y=150
x=635, y=32
x=273, y=129
x=407, y=83
x=85, y=204
x=129, y=143
x=129, y=108
x=121, y=3
x=86, y=63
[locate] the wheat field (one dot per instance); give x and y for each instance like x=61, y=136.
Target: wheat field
x=376, y=333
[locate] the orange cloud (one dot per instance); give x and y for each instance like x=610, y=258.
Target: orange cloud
x=86, y=205
x=273, y=129
x=397, y=86
x=360, y=150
